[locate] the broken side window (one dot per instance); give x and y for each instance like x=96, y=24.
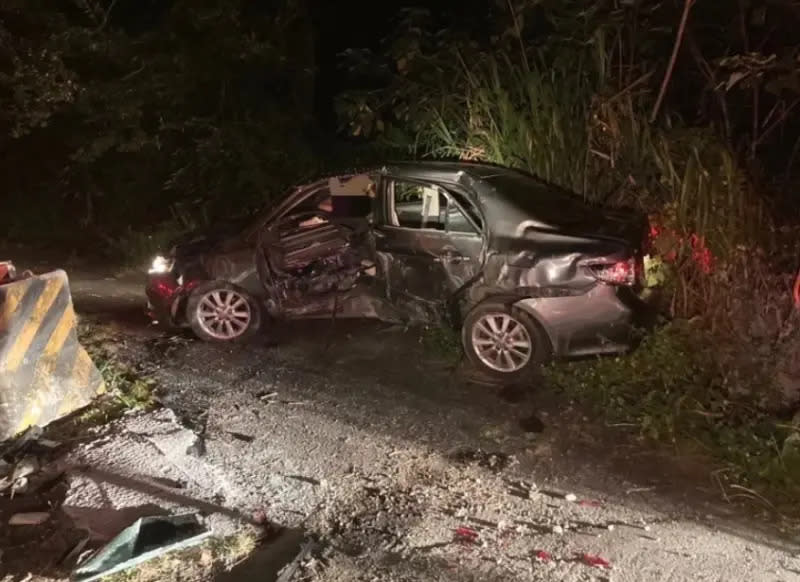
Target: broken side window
x=426, y=206
x=417, y=205
x=465, y=218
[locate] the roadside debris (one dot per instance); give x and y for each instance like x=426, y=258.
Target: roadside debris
x=74, y=554
x=543, y=556
x=466, y=535
x=25, y=468
x=19, y=444
x=18, y=480
x=241, y=437
x=32, y=518
x=595, y=561
x=146, y=539
x=303, y=559
x=493, y=461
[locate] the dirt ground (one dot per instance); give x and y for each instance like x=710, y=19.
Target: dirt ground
x=376, y=458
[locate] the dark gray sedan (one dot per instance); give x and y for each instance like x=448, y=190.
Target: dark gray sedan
x=525, y=270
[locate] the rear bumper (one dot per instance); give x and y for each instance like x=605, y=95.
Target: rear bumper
x=603, y=321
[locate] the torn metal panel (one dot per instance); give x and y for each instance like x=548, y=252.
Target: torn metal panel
x=591, y=323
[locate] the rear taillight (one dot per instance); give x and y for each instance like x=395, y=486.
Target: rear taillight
x=615, y=272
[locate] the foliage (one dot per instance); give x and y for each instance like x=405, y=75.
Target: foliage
x=202, y=113
x=681, y=389
x=212, y=558
x=127, y=389
x=564, y=90
x=441, y=341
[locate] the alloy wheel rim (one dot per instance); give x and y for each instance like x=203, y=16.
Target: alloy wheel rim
x=502, y=342
x=224, y=314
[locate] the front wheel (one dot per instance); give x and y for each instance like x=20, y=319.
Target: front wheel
x=503, y=342
x=222, y=312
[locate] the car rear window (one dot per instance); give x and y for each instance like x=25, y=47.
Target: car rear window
x=544, y=201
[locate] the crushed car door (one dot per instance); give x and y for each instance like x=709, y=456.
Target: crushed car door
x=318, y=244
x=428, y=240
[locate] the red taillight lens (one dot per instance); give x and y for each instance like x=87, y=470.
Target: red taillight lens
x=615, y=273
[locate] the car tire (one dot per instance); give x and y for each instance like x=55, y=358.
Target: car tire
x=504, y=354
x=222, y=312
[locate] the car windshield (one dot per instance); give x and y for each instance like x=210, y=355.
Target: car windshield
x=256, y=222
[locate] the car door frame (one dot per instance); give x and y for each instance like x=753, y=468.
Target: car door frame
x=430, y=252
x=284, y=207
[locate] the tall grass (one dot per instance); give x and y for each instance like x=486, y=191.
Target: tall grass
x=573, y=113
x=514, y=116
x=561, y=121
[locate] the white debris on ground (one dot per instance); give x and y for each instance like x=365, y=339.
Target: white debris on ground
x=393, y=478
x=364, y=472
x=398, y=511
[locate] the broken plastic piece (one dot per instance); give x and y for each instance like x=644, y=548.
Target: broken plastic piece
x=32, y=518
x=595, y=561
x=543, y=556
x=24, y=468
x=146, y=539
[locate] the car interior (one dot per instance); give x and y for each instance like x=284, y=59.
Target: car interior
x=423, y=206
x=321, y=228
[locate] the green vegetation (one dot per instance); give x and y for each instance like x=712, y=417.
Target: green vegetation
x=126, y=388
x=441, y=341
x=567, y=90
x=122, y=134
x=211, y=558
x=677, y=390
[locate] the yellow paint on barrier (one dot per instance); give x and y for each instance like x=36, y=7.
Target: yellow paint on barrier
x=82, y=371
x=11, y=298
x=17, y=351
x=60, y=334
x=61, y=377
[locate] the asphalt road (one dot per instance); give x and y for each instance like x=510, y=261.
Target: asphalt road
x=381, y=448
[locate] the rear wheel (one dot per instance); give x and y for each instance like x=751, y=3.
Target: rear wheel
x=222, y=312
x=505, y=343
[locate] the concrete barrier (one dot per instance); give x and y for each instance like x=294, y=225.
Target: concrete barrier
x=44, y=371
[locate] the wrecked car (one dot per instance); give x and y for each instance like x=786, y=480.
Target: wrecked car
x=524, y=270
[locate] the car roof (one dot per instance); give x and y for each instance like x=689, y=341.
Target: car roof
x=450, y=169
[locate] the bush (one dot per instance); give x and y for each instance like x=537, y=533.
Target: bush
x=698, y=392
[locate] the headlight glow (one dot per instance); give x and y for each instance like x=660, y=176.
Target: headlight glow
x=160, y=265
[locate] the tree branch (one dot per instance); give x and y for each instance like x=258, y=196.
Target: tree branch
x=675, y=49
x=105, y=17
